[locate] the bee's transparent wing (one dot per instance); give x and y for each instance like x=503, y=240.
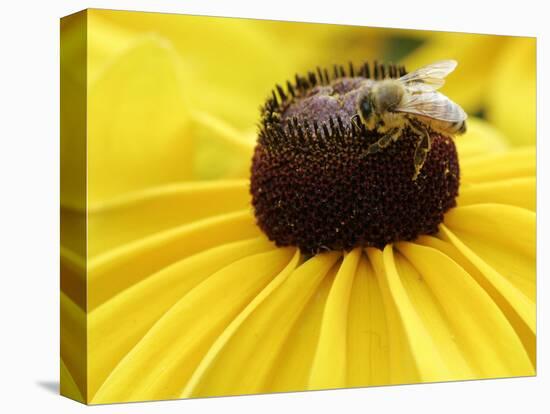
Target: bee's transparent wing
x=428, y=78
x=433, y=105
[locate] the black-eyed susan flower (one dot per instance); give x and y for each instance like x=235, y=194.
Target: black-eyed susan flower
x=187, y=295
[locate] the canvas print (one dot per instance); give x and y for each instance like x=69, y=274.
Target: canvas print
x=255, y=206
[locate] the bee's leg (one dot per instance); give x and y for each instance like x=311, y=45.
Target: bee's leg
x=422, y=148
x=383, y=142
x=356, y=121
x=396, y=134
x=416, y=127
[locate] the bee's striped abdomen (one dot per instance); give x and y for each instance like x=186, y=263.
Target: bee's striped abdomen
x=458, y=127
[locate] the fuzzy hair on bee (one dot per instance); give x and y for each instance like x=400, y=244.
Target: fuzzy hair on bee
x=412, y=101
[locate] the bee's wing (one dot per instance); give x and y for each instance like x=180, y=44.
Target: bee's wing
x=433, y=105
x=428, y=78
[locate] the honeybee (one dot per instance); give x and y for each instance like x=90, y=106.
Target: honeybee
x=389, y=106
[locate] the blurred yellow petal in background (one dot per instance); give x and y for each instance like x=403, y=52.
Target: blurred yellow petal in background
x=496, y=76
x=73, y=88
x=475, y=54
x=211, y=72
x=139, y=135
x=480, y=138
x=512, y=93
x=220, y=54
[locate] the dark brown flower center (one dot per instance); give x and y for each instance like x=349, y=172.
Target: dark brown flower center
x=313, y=185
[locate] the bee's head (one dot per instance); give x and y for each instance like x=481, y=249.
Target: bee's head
x=366, y=109
x=382, y=97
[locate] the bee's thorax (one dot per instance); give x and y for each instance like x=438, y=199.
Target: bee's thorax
x=387, y=94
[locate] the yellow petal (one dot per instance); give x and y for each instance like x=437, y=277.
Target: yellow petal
x=114, y=271
x=67, y=386
x=255, y=337
x=105, y=42
x=327, y=44
x=219, y=60
x=330, y=362
x=73, y=229
x=161, y=363
x=512, y=91
x=504, y=266
x=507, y=246
x=487, y=342
x=494, y=167
x=520, y=192
x=143, y=213
x=73, y=91
x=481, y=138
x=137, y=129
x=414, y=352
x=428, y=309
x=292, y=368
x=73, y=345
x=118, y=324
x=73, y=277
x=222, y=58
x=506, y=227
x=221, y=150
x=223, y=132
x=488, y=227
x=368, y=353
